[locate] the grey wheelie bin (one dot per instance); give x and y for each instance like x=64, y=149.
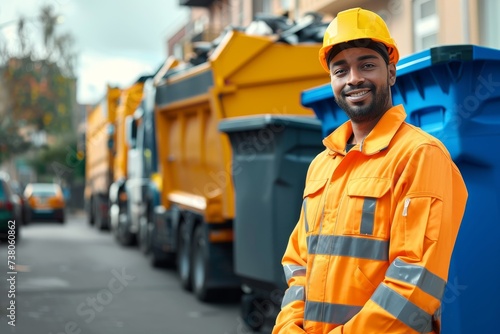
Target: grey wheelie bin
x=271, y=154
x=453, y=93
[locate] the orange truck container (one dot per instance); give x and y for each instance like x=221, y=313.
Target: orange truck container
x=99, y=157
x=245, y=75
x=129, y=101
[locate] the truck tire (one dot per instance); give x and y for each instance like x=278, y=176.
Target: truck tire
x=157, y=257
x=200, y=266
x=125, y=238
x=99, y=224
x=143, y=241
x=123, y=235
x=184, y=261
x=146, y=230
x=101, y=219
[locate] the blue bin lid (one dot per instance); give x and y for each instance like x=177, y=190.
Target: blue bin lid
x=441, y=54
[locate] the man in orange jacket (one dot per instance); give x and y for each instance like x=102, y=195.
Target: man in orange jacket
x=382, y=203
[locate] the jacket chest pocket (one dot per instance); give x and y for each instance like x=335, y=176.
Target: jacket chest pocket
x=313, y=202
x=365, y=208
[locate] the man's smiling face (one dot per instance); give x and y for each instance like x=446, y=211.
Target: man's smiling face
x=361, y=82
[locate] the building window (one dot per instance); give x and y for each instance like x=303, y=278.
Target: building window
x=262, y=6
x=425, y=24
x=285, y=4
x=489, y=23
x=178, y=51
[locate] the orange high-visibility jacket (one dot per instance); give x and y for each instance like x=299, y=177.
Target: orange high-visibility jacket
x=371, y=250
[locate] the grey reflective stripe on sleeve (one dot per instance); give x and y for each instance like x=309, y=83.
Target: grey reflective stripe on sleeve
x=368, y=216
x=418, y=276
x=330, y=313
x=304, y=208
x=358, y=247
x=292, y=270
x=402, y=309
x=293, y=293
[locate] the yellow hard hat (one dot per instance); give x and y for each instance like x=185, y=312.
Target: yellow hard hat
x=354, y=24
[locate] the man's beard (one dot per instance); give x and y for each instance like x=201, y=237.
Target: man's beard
x=366, y=112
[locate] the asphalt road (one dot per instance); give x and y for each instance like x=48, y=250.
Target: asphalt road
x=72, y=279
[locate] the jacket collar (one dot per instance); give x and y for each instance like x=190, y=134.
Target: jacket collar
x=377, y=140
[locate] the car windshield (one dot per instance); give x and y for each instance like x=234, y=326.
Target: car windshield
x=44, y=193
x=44, y=190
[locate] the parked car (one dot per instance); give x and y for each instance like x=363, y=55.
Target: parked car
x=10, y=209
x=18, y=191
x=45, y=202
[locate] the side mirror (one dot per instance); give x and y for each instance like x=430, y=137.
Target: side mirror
x=111, y=136
x=131, y=131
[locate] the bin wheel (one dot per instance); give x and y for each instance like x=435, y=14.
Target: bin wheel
x=184, y=263
x=200, y=266
x=250, y=314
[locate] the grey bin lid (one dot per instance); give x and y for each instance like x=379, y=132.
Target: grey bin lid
x=246, y=123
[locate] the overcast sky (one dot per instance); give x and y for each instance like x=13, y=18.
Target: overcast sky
x=116, y=41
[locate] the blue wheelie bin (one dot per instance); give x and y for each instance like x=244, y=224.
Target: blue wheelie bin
x=453, y=93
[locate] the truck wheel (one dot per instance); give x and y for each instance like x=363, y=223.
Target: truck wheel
x=144, y=235
x=114, y=216
x=99, y=222
x=157, y=257
x=200, y=266
x=100, y=218
x=123, y=235
x=146, y=230
x=125, y=238
x=184, y=264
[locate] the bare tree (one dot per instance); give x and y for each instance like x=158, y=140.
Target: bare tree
x=64, y=47
x=48, y=18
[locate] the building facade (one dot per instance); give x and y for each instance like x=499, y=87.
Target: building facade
x=415, y=24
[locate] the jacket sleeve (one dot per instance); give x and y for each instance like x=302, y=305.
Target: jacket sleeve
x=429, y=209
x=290, y=318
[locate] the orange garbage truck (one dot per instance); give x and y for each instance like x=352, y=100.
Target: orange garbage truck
x=100, y=157
x=192, y=225
x=124, y=211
